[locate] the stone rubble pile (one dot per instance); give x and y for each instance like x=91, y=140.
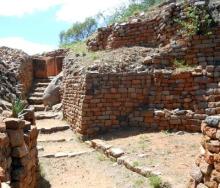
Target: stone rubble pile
x=15, y=73
x=161, y=32
x=206, y=170
x=18, y=151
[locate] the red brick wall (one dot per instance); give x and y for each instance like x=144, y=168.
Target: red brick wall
x=99, y=102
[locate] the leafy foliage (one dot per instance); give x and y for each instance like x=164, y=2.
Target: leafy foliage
x=78, y=32
x=82, y=30
x=155, y=181
x=197, y=20
x=17, y=107
x=135, y=6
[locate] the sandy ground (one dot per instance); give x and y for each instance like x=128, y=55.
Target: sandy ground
x=168, y=153
x=90, y=170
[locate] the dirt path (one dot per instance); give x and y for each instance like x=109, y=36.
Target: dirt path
x=89, y=170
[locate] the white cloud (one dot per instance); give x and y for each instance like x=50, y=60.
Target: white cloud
x=22, y=7
x=70, y=10
x=78, y=10
x=27, y=46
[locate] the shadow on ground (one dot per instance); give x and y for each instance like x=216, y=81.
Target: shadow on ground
x=43, y=183
x=124, y=133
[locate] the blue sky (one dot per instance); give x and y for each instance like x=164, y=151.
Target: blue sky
x=34, y=25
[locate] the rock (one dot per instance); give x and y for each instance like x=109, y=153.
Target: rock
x=148, y=60
x=205, y=167
x=2, y=174
x=40, y=148
x=180, y=133
x=218, y=134
x=99, y=144
x=20, y=152
x=60, y=155
x=14, y=124
x=52, y=92
x=57, y=107
x=16, y=137
x=201, y=185
x=115, y=152
x=4, y=140
x=213, y=121
x=7, y=114
x=196, y=174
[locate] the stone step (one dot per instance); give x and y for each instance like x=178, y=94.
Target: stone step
x=37, y=94
x=35, y=100
x=39, y=107
x=45, y=115
x=46, y=80
x=39, y=89
x=40, y=84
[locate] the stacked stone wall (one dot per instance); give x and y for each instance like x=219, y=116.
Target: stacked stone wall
x=159, y=100
x=206, y=170
x=18, y=151
x=161, y=32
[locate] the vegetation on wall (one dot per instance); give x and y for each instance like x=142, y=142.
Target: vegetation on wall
x=17, y=108
x=197, y=21
x=79, y=31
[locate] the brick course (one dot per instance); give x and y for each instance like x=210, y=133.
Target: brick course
x=160, y=100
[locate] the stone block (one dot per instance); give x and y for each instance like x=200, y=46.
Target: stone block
x=14, y=124
x=16, y=137
x=20, y=152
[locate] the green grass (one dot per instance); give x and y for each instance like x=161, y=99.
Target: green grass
x=81, y=48
x=101, y=157
x=181, y=65
x=139, y=182
x=155, y=181
x=136, y=164
x=42, y=171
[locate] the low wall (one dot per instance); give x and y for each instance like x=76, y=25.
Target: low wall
x=18, y=151
x=159, y=100
x=160, y=31
x=206, y=170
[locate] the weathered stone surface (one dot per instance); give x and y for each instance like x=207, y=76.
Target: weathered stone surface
x=13, y=123
x=20, y=152
x=115, y=152
x=16, y=137
x=213, y=121
x=52, y=94
x=196, y=174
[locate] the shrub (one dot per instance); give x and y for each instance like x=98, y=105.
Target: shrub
x=17, y=107
x=197, y=21
x=155, y=181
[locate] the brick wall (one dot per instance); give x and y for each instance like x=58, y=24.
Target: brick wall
x=18, y=151
x=206, y=170
x=98, y=102
x=160, y=31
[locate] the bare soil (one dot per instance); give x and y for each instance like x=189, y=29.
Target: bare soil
x=168, y=153
x=90, y=170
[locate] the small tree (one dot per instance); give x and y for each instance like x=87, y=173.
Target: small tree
x=78, y=32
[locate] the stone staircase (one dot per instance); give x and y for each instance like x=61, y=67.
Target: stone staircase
x=36, y=98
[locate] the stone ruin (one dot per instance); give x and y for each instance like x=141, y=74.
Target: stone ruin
x=206, y=170
x=142, y=88
x=18, y=151
x=133, y=83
